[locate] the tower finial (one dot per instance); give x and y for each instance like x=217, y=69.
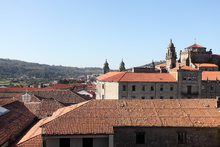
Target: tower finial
x=194, y=40
x=122, y=66
x=106, y=67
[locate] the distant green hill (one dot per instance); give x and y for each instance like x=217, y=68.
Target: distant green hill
x=17, y=69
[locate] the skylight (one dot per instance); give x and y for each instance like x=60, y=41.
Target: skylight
x=3, y=111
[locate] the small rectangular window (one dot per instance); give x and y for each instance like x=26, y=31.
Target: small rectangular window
x=87, y=142
x=133, y=87
x=143, y=88
x=171, y=97
x=140, y=138
x=181, y=137
x=171, y=88
x=124, y=88
x=161, y=88
x=143, y=97
x=211, y=88
x=152, y=88
x=161, y=97
x=64, y=142
x=151, y=97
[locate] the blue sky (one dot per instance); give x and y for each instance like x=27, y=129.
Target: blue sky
x=84, y=33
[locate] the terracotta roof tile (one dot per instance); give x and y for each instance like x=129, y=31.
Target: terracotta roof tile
x=101, y=116
x=205, y=65
x=195, y=46
x=15, y=121
x=137, y=77
x=65, y=97
x=183, y=67
x=211, y=75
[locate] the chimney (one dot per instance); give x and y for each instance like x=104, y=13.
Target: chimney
x=218, y=102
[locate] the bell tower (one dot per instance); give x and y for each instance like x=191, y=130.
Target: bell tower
x=122, y=66
x=171, y=55
x=106, y=67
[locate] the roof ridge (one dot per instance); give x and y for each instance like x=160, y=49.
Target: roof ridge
x=122, y=76
x=77, y=106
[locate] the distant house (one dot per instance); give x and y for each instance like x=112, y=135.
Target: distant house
x=15, y=118
x=130, y=123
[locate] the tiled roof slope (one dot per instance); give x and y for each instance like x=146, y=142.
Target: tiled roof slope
x=36, y=129
x=65, y=97
x=15, y=121
x=101, y=116
x=62, y=86
x=44, y=108
x=17, y=90
x=137, y=77
x=205, y=65
x=195, y=46
x=211, y=75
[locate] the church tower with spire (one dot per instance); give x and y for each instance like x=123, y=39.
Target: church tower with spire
x=171, y=55
x=122, y=66
x=106, y=67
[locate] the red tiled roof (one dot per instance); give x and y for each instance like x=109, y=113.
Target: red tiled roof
x=137, y=77
x=205, y=65
x=161, y=65
x=6, y=101
x=101, y=116
x=62, y=86
x=211, y=75
x=15, y=121
x=195, y=46
x=184, y=67
x=36, y=129
x=63, y=96
x=44, y=108
x=17, y=90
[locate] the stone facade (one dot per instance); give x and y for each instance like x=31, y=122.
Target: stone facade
x=166, y=137
x=187, y=85
x=193, y=61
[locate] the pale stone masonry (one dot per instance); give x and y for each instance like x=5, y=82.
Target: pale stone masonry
x=195, y=75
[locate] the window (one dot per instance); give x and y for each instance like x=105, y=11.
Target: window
x=133, y=88
x=140, y=138
x=143, y=97
x=87, y=142
x=161, y=88
x=181, y=137
x=171, y=97
x=64, y=142
x=124, y=88
x=151, y=97
x=211, y=88
x=161, y=97
x=171, y=88
x=152, y=88
x=189, y=89
x=143, y=88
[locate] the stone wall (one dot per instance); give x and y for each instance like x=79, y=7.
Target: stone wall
x=147, y=90
x=167, y=137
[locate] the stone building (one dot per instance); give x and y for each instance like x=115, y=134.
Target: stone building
x=129, y=123
x=195, y=75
